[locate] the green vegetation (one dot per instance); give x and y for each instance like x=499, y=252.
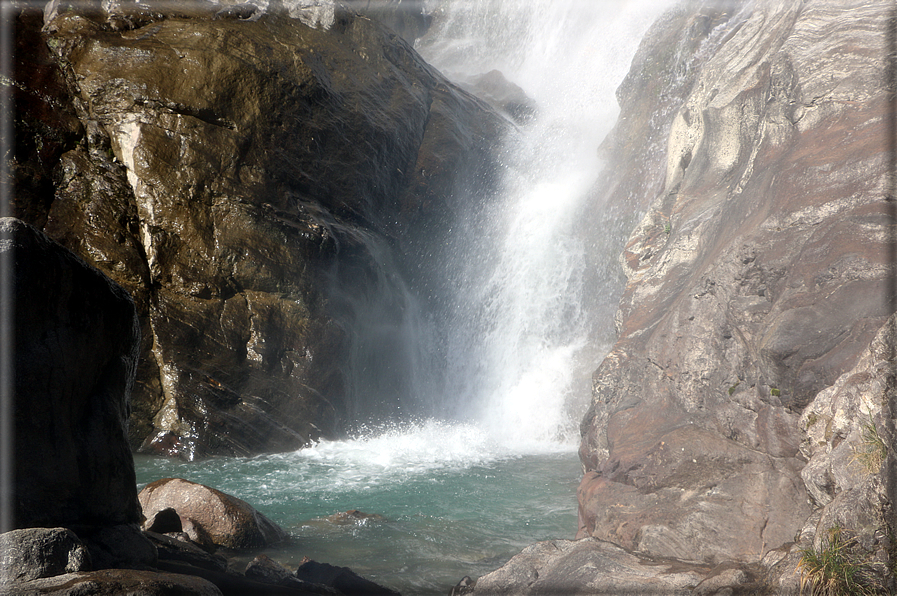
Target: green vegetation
x=835, y=570
x=872, y=450
x=733, y=387
x=775, y=392
x=812, y=419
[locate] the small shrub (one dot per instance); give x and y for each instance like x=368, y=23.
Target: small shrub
x=775, y=392
x=835, y=570
x=872, y=450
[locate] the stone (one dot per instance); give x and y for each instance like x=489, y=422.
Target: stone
x=588, y=566
x=172, y=549
x=342, y=579
x=354, y=516
x=118, y=546
x=164, y=521
x=756, y=146
x=33, y=553
x=246, y=264
x=76, y=344
x=265, y=569
x=114, y=582
x=229, y=521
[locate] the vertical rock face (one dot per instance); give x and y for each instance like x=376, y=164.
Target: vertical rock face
x=76, y=343
x=757, y=276
x=241, y=174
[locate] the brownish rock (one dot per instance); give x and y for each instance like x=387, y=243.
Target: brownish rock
x=756, y=278
x=249, y=202
x=229, y=521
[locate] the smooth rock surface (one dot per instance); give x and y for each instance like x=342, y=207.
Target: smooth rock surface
x=229, y=521
x=756, y=278
x=76, y=345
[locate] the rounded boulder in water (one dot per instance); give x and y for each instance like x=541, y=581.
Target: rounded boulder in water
x=229, y=522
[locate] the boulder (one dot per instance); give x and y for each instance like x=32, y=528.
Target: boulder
x=114, y=582
x=76, y=345
x=255, y=213
x=342, y=579
x=588, y=566
x=228, y=521
x=34, y=553
x=755, y=279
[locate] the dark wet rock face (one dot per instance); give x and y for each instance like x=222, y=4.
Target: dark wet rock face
x=75, y=354
x=756, y=278
x=245, y=177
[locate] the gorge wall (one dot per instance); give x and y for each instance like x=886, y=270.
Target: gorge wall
x=262, y=183
x=757, y=138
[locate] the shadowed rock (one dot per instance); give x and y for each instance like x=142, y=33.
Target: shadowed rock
x=75, y=354
x=34, y=553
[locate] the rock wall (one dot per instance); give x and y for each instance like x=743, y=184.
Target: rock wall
x=244, y=175
x=76, y=339
x=754, y=136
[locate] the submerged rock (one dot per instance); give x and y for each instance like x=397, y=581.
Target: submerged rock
x=756, y=278
x=228, y=521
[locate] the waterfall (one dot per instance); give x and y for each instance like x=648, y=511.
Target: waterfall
x=522, y=333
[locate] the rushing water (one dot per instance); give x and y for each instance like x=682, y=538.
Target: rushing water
x=460, y=498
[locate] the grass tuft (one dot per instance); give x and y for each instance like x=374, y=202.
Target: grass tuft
x=835, y=570
x=872, y=450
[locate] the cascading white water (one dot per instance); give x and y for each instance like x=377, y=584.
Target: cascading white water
x=461, y=495
x=521, y=341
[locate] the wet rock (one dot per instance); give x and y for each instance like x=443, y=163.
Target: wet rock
x=113, y=582
x=172, y=549
x=755, y=279
x=163, y=521
x=342, y=579
x=354, y=516
x=235, y=208
x=502, y=94
x=75, y=355
x=229, y=521
x=34, y=553
x=118, y=546
x=465, y=586
x=266, y=570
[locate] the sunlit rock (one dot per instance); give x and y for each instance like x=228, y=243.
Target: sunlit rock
x=756, y=277
x=229, y=521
